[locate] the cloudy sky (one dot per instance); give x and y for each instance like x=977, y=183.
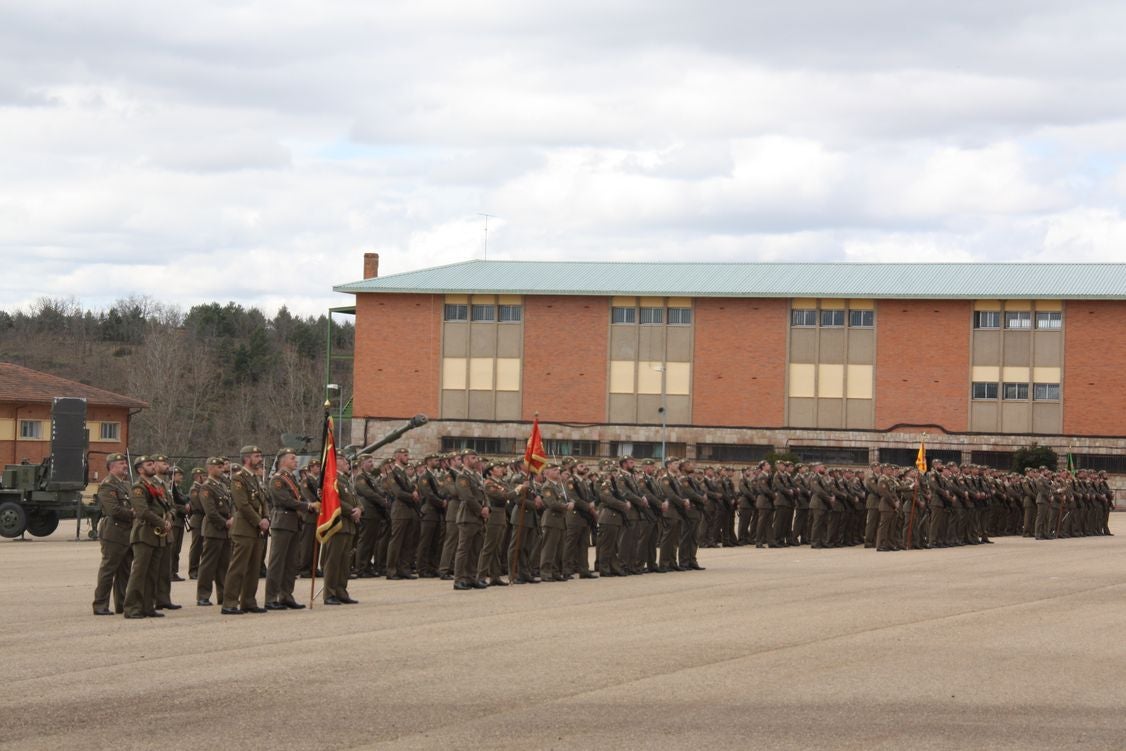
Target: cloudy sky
x=252, y=151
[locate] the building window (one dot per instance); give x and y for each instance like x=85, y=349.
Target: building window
x=510, y=313
x=457, y=312
x=484, y=313
x=31, y=429
x=680, y=316
x=985, y=391
x=994, y=459
x=623, y=315
x=861, y=318
x=829, y=455
x=652, y=316
x=1018, y=319
x=644, y=449
x=907, y=457
x=111, y=431
x=561, y=447
x=732, y=452
x=832, y=317
x=1112, y=463
x=1016, y=390
x=1049, y=320
x=484, y=445
x=1046, y=392
x=987, y=319
x=803, y=317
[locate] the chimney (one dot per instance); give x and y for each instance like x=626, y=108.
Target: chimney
x=371, y=265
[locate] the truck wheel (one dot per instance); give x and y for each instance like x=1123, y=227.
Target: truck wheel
x=13, y=519
x=41, y=525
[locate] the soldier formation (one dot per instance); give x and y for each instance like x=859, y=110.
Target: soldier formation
x=463, y=518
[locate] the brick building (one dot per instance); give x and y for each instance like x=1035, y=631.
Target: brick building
x=846, y=363
x=25, y=415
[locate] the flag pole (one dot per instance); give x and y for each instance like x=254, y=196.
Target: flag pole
x=316, y=542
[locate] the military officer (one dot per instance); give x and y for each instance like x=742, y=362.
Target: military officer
x=164, y=566
x=310, y=491
x=147, y=537
x=433, y=515
x=673, y=511
x=613, y=516
x=113, y=536
x=497, y=496
x=195, y=520
x=553, y=524
x=451, y=530
x=286, y=502
x=338, y=547
x=215, y=558
x=405, y=512
x=247, y=536
x=472, y=514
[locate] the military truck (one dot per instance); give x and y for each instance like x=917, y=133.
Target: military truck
x=33, y=497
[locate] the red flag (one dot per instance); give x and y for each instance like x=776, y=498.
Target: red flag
x=328, y=522
x=534, y=454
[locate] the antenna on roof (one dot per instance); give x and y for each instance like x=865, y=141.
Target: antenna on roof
x=487, y=218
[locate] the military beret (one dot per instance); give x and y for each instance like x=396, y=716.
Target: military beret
x=286, y=451
x=648, y=462
x=250, y=448
x=568, y=461
x=386, y=461
x=176, y=470
x=363, y=457
x=428, y=457
x=623, y=459
x=115, y=458
x=158, y=458
x=139, y=460
x=197, y=471
x=217, y=461
x=402, y=450
x=468, y=452
x=314, y=462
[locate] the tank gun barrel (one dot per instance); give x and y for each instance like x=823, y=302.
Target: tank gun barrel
x=352, y=450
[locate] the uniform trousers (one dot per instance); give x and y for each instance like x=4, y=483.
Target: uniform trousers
x=281, y=570
x=783, y=525
x=449, y=545
x=551, y=548
x=470, y=539
x=520, y=551
x=113, y=575
x=402, y=546
x=241, y=585
x=609, y=550
x=337, y=564
x=488, y=563
x=176, y=543
x=429, y=549
x=871, y=522
x=164, y=575
x=367, y=544
x=670, y=541
x=140, y=593
x=213, y=564
x=195, y=547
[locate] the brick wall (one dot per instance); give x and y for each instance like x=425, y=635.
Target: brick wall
x=1094, y=371
x=739, y=362
x=13, y=452
x=398, y=355
x=923, y=363
x=566, y=345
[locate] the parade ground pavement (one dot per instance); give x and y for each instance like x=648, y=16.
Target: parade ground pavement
x=1016, y=645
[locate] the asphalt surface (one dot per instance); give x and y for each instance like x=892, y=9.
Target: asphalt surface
x=1016, y=645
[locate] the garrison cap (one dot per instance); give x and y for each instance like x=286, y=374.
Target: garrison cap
x=158, y=458
x=217, y=461
x=250, y=448
x=115, y=458
x=197, y=471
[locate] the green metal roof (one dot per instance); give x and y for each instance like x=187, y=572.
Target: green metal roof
x=863, y=280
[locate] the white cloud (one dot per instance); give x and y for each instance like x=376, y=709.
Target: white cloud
x=253, y=151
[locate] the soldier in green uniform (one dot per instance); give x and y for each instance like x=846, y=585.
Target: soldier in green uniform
x=497, y=496
x=782, y=488
x=164, y=564
x=215, y=558
x=147, y=537
x=195, y=521
x=374, y=518
x=247, y=536
x=521, y=546
x=405, y=515
x=338, y=548
x=673, y=511
x=285, y=503
x=650, y=487
x=553, y=524
x=887, y=490
x=451, y=530
x=472, y=514
x=310, y=488
x=179, y=519
x=113, y=536
x=433, y=499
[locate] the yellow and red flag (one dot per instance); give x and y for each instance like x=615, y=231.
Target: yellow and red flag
x=328, y=522
x=534, y=454
x=921, y=459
